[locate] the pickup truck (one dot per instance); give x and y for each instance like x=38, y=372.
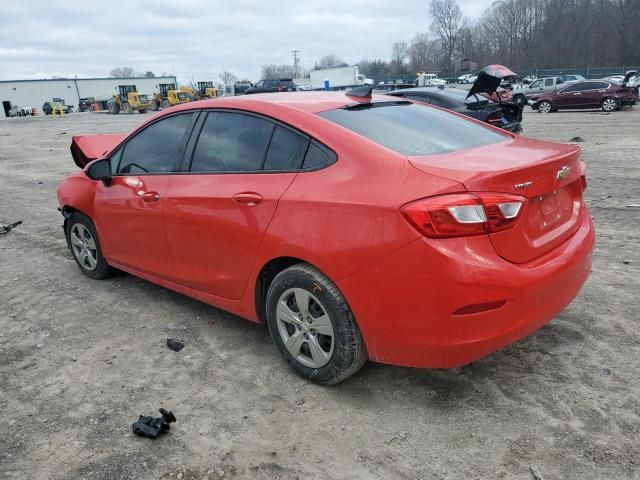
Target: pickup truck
x=541, y=86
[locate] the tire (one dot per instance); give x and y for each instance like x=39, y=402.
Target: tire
x=126, y=108
x=113, y=107
x=545, y=107
x=142, y=110
x=154, y=106
x=520, y=100
x=84, y=244
x=325, y=358
x=165, y=103
x=609, y=104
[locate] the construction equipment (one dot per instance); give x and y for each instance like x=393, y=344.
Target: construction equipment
x=129, y=99
x=206, y=90
x=169, y=96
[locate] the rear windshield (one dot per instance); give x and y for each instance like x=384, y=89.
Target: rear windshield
x=412, y=129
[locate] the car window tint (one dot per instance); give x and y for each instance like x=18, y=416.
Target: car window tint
x=318, y=157
x=286, y=150
x=536, y=84
x=232, y=142
x=114, y=161
x=414, y=129
x=548, y=82
x=574, y=88
x=156, y=148
x=600, y=85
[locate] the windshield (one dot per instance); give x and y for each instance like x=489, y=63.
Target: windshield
x=412, y=129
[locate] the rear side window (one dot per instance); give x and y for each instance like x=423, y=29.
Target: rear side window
x=231, y=142
x=286, y=150
x=414, y=129
x=156, y=148
x=548, y=82
x=318, y=157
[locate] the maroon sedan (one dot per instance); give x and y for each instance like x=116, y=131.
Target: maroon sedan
x=608, y=96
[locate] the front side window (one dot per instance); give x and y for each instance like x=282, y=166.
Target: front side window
x=231, y=142
x=156, y=148
x=412, y=129
x=536, y=84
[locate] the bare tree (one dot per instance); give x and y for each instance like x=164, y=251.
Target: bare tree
x=270, y=72
x=122, y=72
x=227, y=78
x=446, y=21
x=423, y=52
x=399, y=54
x=330, y=61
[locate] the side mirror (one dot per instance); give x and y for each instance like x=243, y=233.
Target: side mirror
x=100, y=170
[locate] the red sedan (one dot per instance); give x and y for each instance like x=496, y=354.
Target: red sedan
x=355, y=228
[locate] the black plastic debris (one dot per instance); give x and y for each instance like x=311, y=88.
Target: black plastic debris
x=577, y=140
x=4, y=229
x=152, y=427
x=175, y=345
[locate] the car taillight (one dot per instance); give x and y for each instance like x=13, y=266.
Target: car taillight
x=464, y=214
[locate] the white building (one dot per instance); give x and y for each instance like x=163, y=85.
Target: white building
x=33, y=93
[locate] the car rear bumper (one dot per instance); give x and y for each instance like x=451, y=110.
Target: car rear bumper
x=405, y=303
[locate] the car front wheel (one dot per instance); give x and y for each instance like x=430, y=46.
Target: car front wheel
x=544, y=107
x=85, y=247
x=609, y=104
x=313, y=327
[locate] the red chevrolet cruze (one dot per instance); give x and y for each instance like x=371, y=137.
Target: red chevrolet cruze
x=355, y=228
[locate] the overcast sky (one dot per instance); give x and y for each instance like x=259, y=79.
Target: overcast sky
x=199, y=38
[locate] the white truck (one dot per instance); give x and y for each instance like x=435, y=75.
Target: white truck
x=429, y=80
x=339, y=78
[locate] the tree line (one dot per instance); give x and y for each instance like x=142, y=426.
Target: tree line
x=522, y=34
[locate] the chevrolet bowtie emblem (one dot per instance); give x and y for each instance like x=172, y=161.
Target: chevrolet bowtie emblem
x=563, y=173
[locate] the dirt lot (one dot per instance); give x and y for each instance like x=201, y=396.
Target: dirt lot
x=81, y=359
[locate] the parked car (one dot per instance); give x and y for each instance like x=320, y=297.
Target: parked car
x=608, y=96
x=541, y=86
x=355, y=227
x=479, y=107
x=268, y=86
x=47, y=108
x=14, y=111
x=573, y=78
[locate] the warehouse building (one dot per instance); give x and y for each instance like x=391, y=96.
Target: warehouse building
x=33, y=93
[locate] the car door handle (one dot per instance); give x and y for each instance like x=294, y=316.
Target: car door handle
x=149, y=196
x=247, y=198
x=578, y=93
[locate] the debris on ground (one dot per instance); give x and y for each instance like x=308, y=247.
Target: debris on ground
x=175, y=345
x=577, y=140
x=633, y=205
x=536, y=473
x=151, y=427
x=4, y=229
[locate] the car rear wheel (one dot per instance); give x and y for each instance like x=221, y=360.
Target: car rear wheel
x=85, y=247
x=126, y=108
x=609, y=104
x=313, y=327
x=545, y=107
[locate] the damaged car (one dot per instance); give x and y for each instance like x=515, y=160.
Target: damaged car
x=354, y=226
x=507, y=116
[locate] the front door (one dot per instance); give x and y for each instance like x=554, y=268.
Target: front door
x=217, y=214
x=129, y=211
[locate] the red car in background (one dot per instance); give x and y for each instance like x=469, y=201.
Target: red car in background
x=355, y=227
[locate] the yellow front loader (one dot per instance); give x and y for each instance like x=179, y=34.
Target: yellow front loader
x=129, y=99
x=168, y=96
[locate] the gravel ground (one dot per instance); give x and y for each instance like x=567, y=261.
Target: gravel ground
x=81, y=359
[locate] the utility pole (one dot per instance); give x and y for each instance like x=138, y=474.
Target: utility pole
x=296, y=62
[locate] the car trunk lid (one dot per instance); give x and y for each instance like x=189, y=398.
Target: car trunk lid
x=548, y=175
x=85, y=148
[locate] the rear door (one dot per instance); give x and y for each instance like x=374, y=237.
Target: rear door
x=218, y=211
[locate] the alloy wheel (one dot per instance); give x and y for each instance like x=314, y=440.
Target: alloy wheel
x=305, y=327
x=544, y=107
x=609, y=105
x=84, y=247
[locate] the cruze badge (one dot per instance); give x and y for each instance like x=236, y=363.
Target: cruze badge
x=520, y=186
x=563, y=173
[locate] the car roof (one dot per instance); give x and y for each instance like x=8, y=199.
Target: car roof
x=310, y=102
